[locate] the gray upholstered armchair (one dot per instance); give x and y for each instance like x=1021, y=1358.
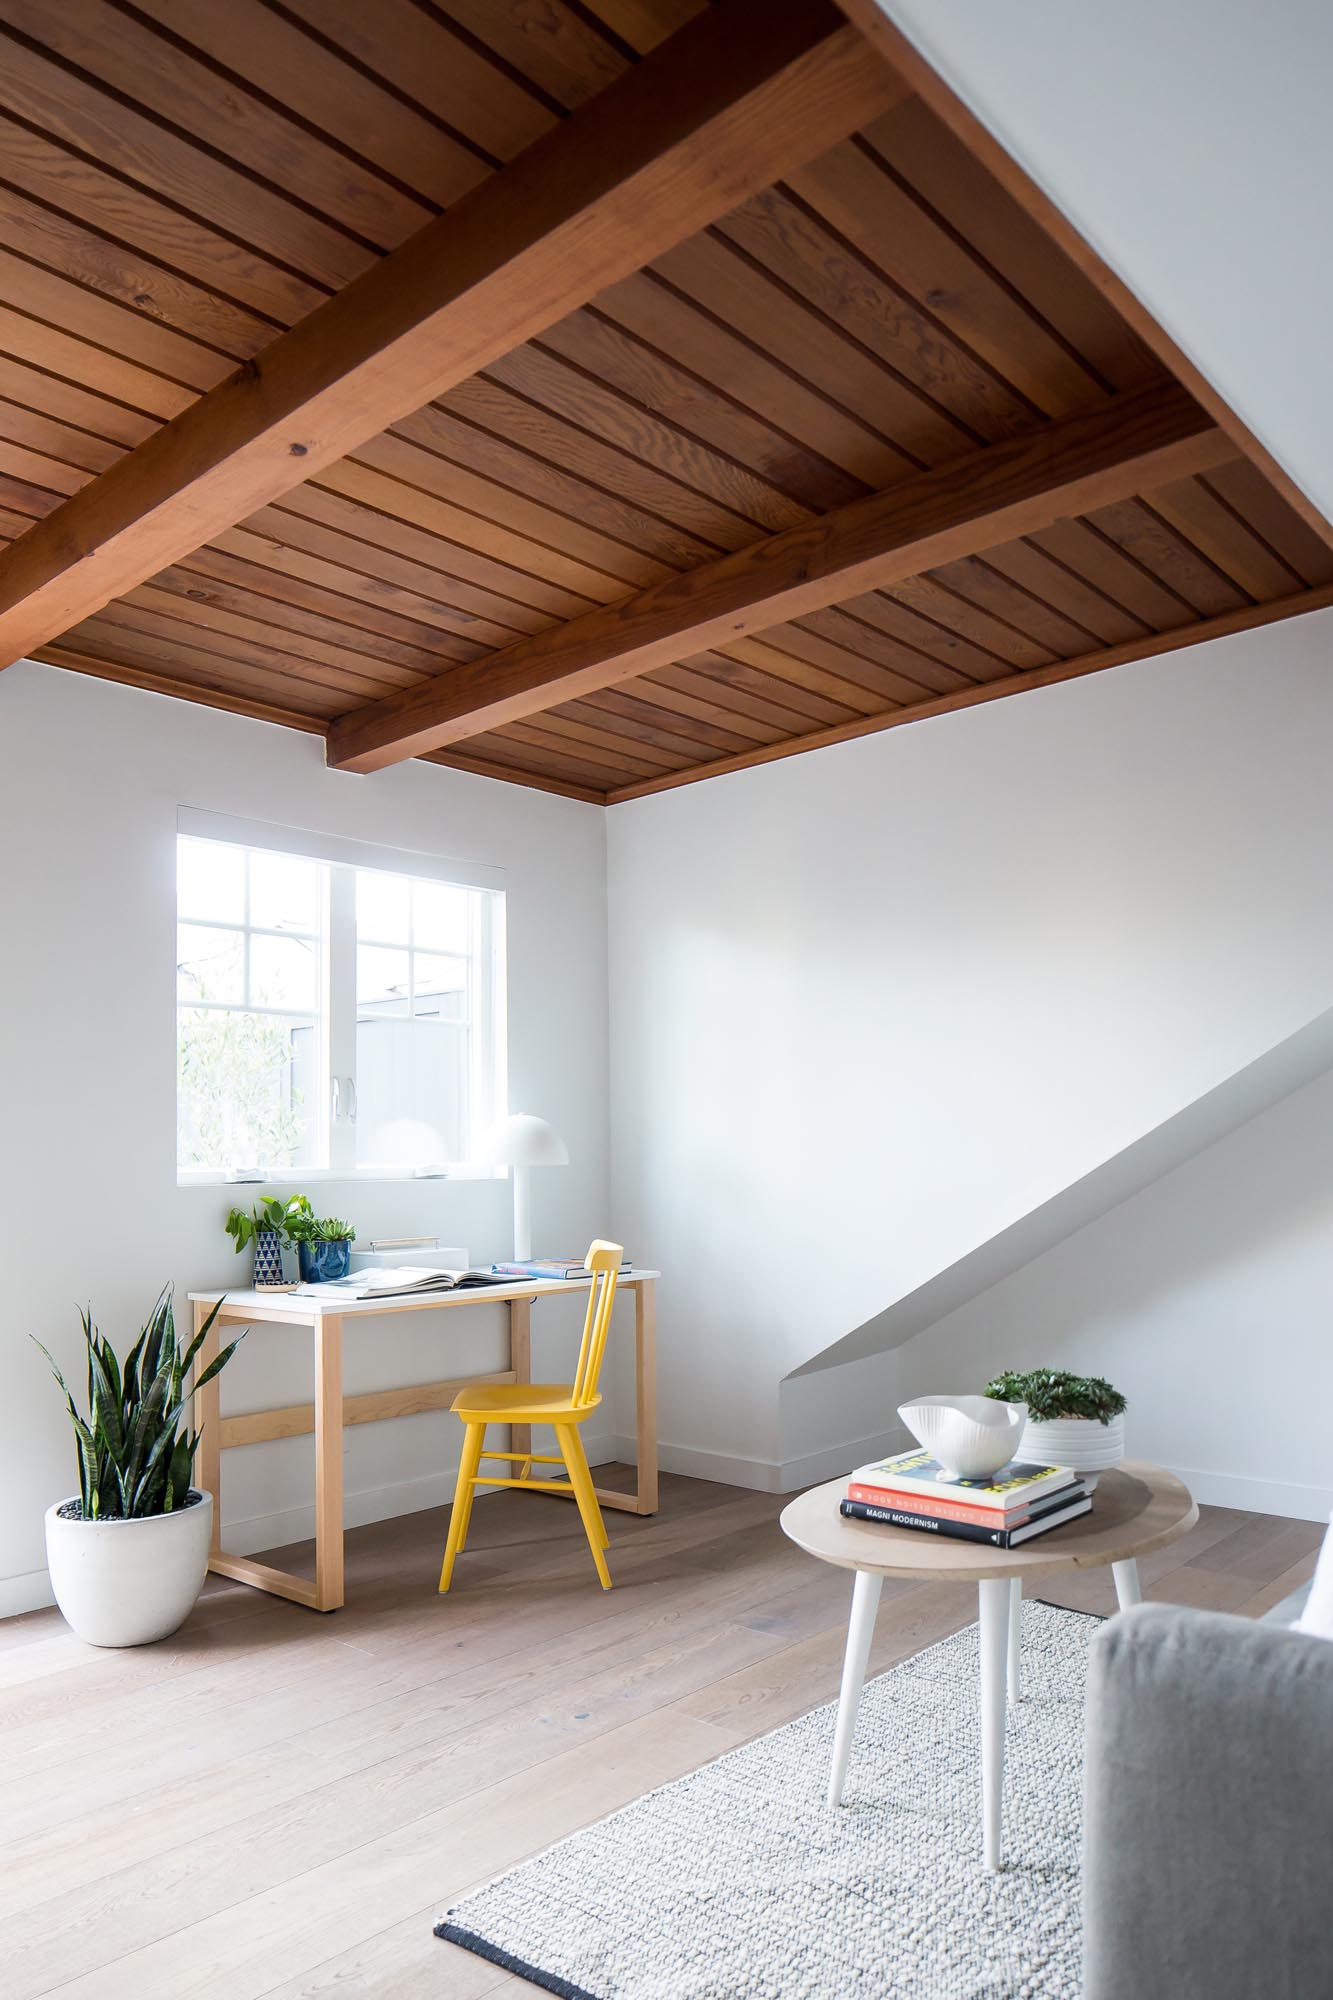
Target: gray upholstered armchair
x=1208, y=1826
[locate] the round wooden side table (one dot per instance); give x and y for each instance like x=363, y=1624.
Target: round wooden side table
x=1135, y=1509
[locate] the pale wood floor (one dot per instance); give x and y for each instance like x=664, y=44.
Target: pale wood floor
x=276, y=1804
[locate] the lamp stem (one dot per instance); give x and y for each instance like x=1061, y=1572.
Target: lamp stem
x=522, y=1216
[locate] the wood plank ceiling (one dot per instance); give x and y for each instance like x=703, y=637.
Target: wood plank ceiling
x=865, y=445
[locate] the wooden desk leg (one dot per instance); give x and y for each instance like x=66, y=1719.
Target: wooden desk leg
x=328, y=1461
x=645, y=1393
x=520, y=1363
x=206, y=1418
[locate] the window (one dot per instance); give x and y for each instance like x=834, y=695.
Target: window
x=334, y=1013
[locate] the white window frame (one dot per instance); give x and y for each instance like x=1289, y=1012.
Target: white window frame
x=488, y=1078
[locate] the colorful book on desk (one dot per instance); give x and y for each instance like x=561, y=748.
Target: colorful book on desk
x=405, y=1282
x=546, y=1268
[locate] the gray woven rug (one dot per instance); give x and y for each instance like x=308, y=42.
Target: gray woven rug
x=738, y=1883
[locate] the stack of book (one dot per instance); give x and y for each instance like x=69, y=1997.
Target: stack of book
x=552, y=1267
x=912, y=1490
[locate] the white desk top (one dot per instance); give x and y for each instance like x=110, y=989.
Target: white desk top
x=302, y=1310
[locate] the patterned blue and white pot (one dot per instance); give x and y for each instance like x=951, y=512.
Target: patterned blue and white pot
x=268, y=1260
x=321, y=1262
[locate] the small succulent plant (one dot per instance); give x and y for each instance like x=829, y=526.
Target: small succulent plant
x=1054, y=1392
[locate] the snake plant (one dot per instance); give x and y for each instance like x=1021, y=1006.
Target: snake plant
x=134, y=1454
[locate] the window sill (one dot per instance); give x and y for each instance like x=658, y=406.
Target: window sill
x=315, y=1176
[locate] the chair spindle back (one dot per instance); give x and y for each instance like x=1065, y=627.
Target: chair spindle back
x=603, y=1260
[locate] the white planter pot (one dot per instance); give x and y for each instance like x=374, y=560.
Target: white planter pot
x=1084, y=1444
x=126, y=1583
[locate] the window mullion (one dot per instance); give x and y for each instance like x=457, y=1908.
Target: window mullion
x=341, y=1012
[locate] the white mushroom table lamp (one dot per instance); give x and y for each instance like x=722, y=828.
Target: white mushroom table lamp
x=522, y=1142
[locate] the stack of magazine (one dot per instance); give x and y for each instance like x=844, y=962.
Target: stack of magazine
x=913, y=1490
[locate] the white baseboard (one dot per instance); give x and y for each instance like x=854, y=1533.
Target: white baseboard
x=373, y=1503
x=768, y=1475
x=32, y=1591
x=1256, y=1496
x=759, y=1474
x=838, y=1459
x=765, y=1475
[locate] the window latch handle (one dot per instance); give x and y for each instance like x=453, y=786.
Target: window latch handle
x=351, y=1100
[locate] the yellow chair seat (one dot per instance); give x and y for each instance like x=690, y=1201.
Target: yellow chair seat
x=521, y=1403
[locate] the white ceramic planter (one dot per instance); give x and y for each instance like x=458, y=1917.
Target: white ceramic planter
x=1084, y=1444
x=126, y=1583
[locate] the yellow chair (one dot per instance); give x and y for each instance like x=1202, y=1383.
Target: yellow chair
x=563, y=1404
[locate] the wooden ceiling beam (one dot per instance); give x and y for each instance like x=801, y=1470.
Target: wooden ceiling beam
x=956, y=510
x=742, y=94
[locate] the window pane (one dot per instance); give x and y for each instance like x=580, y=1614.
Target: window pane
x=284, y=892
x=441, y=986
x=284, y=972
x=382, y=910
x=381, y=975
x=245, y=1090
x=441, y=916
x=411, y=1086
x=210, y=965
x=210, y=881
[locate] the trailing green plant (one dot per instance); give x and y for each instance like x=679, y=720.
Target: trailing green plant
x=1055, y=1392
x=135, y=1455
x=304, y=1226
x=267, y=1216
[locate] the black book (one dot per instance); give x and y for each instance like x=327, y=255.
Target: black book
x=1064, y=1508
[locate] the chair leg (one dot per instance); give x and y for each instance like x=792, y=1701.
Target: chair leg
x=571, y=1450
x=459, y=1514
x=576, y=1440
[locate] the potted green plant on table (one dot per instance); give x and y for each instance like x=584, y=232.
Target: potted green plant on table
x=323, y=1243
x=264, y=1225
x=1074, y=1420
x=129, y=1551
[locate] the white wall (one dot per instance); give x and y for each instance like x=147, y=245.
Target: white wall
x=1192, y=146
x=90, y=779
x=873, y=1004
x=1206, y=1299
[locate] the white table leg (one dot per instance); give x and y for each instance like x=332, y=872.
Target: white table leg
x=1127, y=1590
x=860, y=1631
x=994, y=1599
x=1015, y=1638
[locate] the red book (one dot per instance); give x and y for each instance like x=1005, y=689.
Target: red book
x=940, y=1510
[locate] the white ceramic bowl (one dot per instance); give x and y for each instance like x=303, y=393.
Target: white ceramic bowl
x=971, y=1436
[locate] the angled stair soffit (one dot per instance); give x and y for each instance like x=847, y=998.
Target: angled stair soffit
x=1297, y=1061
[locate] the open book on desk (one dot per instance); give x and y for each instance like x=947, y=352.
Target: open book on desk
x=405, y=1282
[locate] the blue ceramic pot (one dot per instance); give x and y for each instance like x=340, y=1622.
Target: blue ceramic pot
x=321, y=1262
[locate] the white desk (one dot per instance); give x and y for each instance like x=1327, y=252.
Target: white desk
x=331, y=1411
